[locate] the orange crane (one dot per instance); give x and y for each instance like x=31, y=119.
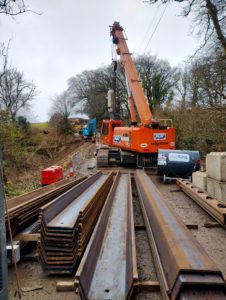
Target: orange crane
x=139, y=143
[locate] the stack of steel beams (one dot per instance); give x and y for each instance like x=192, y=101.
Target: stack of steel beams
x=24, y=209
x=68, y=221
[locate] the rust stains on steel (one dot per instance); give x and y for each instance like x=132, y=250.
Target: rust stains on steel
x=68, y=221
x=25, y=209
x=214, y=207
x=108, y=268
x=184, y=269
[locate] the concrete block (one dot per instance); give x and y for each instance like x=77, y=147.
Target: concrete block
x=216, y=189
x=16, y=248
x=216, y=165
x=199, y=180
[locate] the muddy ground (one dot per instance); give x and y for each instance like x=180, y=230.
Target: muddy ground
x=212, y=239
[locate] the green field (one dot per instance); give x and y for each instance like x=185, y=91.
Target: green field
x=41, y=125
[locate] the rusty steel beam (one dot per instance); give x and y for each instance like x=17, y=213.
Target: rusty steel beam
x=214, y=207
x=24, y=209
x=34, y=195
x=68, y=221
x=185, y=271
x=108, y=268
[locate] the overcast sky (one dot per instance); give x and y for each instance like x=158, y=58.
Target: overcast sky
x=72, y=36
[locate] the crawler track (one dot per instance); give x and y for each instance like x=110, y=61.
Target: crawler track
x=102, y=158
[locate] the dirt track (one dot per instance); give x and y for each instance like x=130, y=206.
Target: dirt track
x=212, y=239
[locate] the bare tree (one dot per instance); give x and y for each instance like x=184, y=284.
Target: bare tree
x=15, y=92
x=61, y=104
x=203, y=82
x=89, y=89
x=12, y=7
x=182, y=85
x=209, y=15
x=3, y=59
x=209, y=74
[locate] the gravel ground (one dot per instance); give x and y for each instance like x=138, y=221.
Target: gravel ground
x=84, y=160
x=145, y=262
x=31, y=275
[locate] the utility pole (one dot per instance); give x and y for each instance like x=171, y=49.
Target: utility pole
x=3, y=253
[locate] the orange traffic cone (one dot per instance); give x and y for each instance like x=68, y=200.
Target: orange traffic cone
x=71, y=173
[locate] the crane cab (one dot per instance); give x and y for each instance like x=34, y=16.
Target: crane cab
x=107, y=131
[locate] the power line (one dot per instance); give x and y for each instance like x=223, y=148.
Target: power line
x=156, y=27
x=148, y=29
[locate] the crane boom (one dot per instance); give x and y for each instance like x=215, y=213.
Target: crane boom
x=131, y=75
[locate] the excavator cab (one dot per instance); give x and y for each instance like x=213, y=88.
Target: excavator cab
x=107, y=131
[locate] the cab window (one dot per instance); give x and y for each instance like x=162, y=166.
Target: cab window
x=105, y=129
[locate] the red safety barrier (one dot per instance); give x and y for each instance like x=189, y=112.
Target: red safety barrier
x=51, y=175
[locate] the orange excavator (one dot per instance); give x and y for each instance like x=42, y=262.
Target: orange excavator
x=139, y=143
